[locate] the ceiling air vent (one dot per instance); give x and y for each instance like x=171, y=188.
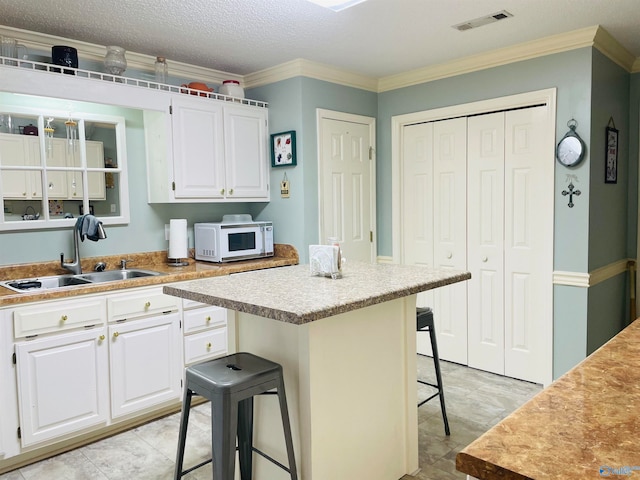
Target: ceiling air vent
x=478, y=22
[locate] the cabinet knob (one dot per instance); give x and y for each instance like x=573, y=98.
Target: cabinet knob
x=484, y=259
x=208, y=345
x=24, y=194
x=116, y=334
x=449, y=255
x=147, y=304
x=222, y=191
x=231, y=191
x=101, y=338
x=63, y=318
x=208, y=319
x=34, y=194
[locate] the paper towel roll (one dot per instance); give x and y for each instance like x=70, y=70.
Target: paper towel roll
x=178, y=238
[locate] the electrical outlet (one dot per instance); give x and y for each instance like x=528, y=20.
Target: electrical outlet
x=113, y=208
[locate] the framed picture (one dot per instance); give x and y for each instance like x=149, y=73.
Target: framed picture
x=611, y=156
x=283, y=149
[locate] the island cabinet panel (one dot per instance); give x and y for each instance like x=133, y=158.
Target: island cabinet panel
x=61, y=384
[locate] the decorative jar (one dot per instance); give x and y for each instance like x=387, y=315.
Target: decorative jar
x=114, y=61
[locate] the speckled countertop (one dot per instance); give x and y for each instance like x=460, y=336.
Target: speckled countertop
x=584, y=425
x=157, y=261
x=293, y=295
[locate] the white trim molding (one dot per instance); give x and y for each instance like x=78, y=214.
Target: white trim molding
x=594, y=36
x=599, y=275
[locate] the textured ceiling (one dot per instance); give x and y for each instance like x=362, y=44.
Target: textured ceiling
x=376, y=38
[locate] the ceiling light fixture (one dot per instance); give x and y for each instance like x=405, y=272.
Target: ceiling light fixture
x=336, y=5
x=478, y=22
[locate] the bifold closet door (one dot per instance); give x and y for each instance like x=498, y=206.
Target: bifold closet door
x=486, y=205
x=449, y=235
x=510, y=247
x=434, y=218
x=417, y=215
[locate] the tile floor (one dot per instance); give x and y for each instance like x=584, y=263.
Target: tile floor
x=475, y=401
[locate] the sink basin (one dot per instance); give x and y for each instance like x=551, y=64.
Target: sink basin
x=115, y=275
x=44, y=283
x=26, y=285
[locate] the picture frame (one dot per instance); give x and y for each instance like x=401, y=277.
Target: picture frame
x=283, y=149
x=611, y=155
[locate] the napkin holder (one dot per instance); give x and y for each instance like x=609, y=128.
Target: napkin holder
x=324, y=261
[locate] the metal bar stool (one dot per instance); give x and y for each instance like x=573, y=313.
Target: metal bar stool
x=230, y=384
x=424, y=320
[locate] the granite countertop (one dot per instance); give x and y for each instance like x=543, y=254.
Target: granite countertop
x=293, y=295
x=584, y=425
x=157, y=261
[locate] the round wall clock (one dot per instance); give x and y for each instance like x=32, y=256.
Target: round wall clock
x=571, y=148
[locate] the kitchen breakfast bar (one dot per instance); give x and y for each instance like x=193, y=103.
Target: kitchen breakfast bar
x=348, y=350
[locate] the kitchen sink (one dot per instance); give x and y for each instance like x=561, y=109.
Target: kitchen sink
x=25, y=285
x=114, y=275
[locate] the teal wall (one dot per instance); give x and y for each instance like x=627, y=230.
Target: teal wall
x=292, y=106
x=609, y=208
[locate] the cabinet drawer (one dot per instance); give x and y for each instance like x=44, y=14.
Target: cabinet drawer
x=205, y=345
x=201, y=318
x=58, y=316
x=189, y=304
x=140, y=304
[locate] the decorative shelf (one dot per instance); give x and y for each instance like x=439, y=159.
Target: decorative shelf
x=118, y=79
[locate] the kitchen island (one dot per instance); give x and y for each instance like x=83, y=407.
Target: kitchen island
x=584, y=425
x=348, y=350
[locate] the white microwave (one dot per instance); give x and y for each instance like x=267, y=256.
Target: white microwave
x=228, y=242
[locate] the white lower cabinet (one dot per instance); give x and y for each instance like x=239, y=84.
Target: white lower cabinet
x=87, y=362
x=61, y=368
x=61, y=384
x=145, y=366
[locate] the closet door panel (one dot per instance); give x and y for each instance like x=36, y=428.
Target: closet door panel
x=449, y=233
x=528, y=244
x=485, y=234
x=417, y=207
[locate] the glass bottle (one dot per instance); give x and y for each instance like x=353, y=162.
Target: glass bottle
x=162, y=70
x=114, y=61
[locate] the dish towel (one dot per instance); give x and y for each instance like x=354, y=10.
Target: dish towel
x=87, y=226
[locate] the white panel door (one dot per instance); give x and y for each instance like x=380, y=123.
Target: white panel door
x=345, y=180
x=485, y=235
x=198, y=148
x=417, y=208
x=528, y=262
x=449, y=233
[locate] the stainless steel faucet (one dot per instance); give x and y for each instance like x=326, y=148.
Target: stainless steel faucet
x=75, y=266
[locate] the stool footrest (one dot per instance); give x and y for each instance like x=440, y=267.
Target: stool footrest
x=271, y=459
x=195, y=467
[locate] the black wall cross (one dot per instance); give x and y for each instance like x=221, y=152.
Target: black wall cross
x=571, y=193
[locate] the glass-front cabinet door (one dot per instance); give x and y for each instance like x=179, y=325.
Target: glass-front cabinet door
x=56, y=165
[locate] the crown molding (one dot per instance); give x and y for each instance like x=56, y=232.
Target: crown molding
x=138, y=61
x=594, y=36
x=524, y=51
x=610, y=47
x=306, y=68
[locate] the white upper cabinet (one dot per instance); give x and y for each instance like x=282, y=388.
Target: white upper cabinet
x=198, y=148
x=216, y=151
